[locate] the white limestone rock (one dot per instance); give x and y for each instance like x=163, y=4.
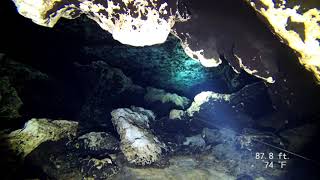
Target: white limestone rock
x=138, y=143
x=296, y=23
x=132, y=22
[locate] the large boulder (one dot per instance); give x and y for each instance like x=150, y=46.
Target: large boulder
x=139, y=145
x=37, y=131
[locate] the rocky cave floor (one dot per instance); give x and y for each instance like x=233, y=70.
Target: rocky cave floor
x=146, y=113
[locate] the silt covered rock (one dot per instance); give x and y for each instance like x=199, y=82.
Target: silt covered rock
x=96, y=143
x=37, y=131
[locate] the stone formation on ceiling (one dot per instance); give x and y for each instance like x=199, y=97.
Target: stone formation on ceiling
x=149, y=22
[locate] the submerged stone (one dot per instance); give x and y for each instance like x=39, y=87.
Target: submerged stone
x=235, y=110
x=36, y=131
x=98, y=168
x=161, y=102
x=10, y=102
x=139, y=145
x=195, y=142
x=96, y=143
x=159, y=95
x=57, y=161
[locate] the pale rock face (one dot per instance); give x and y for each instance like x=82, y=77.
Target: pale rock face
x=138, y=143
x=37, y=131
x=233, y=111
x=154, y=95
x=199, y=100
x=137, y=23
x=297, y=25
x=204, y=97
x=176, y=114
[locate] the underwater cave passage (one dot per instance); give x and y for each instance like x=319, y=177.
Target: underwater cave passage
x=221, y=98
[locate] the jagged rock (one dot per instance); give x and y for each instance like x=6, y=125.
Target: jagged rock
x=10, y=102
x=162, y=102
x=14, y=77
x=98, y=168
x=130, y=22
x=37, y=131
x=18, y=72
x=195, y=142
x=159, y=95
x=138, y=143
x=106, y=88
x=176, y=114
x=296, y=23
x=232, y=37
x=56, y=161
x=96, y=143
x=235, y=110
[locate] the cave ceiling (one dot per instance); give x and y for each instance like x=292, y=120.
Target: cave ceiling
x=206, y=35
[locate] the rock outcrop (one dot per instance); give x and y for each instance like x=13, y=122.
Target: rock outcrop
x=159, y=95
x=10, y=102
x=228, y=110
x=57, y=161
x=137, y=23
x=205, y=36
x=139, y=145
x=14, y=77
x=37, y=131
x=296, y=23
x=96, y=143
x=161, y=102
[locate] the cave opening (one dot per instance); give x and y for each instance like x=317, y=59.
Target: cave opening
x=219, y=94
